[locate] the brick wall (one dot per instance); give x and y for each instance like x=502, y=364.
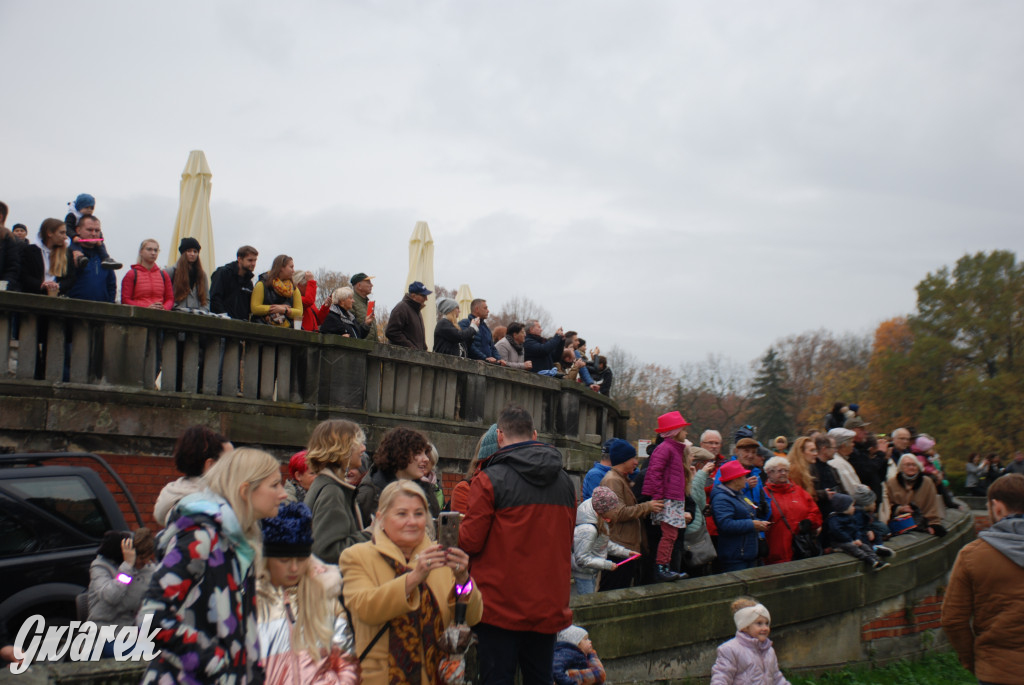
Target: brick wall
x=925, y=615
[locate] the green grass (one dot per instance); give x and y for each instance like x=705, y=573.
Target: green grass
x=940, y=667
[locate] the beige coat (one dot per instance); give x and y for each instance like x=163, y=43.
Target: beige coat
x=375, y=595
x=924, y=498
x=625, y=527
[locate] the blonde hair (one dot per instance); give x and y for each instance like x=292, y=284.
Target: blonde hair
x=313, y=627
x=402, y=486
x=299, y=280
x=244, y=466
x=798, y=472
x=142, y=245
x=742, y=603
x=330, y=445
x=58, y=253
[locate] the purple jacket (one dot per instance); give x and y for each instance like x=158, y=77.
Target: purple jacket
x=744, y=660
x=666, y=472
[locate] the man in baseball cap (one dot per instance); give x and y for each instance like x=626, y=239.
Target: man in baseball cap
x=362, y=286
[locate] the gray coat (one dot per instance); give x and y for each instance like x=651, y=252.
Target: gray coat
x=191, y=300
x=112, y=602
x=590, y=547
x=515, y=360
x=336, y=522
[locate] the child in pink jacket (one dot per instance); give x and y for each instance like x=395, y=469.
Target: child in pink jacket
x=748, y=658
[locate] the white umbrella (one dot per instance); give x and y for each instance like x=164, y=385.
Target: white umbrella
x=421, y=268
x=464, y=298
x=194, y=212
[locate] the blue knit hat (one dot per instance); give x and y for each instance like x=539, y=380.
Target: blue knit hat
x=84, y=200
x=489, y=445
x=619, y=451
x=290, y=533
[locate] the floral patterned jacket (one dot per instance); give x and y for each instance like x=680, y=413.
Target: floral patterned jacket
x=203, y=598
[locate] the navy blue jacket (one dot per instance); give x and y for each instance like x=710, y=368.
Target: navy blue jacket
x=91, y=281
x=843, y=527
x=737, y=539
x=482, y=346
x=542, y=353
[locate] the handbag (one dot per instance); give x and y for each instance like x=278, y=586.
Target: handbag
x=700, y=552
x=806, y=543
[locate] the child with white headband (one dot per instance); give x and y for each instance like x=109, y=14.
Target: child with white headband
x=748, y=658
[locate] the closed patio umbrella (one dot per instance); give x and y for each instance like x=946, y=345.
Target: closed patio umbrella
x=421, y=268
x=464, y=298
x=194, y=211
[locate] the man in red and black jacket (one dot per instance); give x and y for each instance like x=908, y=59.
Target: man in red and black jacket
x=518, y=533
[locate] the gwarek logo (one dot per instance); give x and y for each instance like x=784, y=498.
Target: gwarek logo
x=81, y=641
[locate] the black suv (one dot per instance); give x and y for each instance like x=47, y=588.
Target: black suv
x=52, y=518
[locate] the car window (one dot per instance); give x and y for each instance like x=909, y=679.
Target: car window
x=25, y=531
x=69, y=498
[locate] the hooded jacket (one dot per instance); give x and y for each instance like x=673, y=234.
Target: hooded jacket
x=737, y=538
x=405, y=327
x=518, y=533
x=142, y=287
x=172, y=493
x=337, y=524
x=985, y=600
x=744, y=660
x=231, y=293
x=591, y=547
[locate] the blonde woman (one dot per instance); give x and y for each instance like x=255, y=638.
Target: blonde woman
x=43, y=262
x=202, y=596
x=402, y=589
x=448, y=337
x=802, y=456
x=301, y=622
x=146, y=284
x=275, y=299
x=334, y=448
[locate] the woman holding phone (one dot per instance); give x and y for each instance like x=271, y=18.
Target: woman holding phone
x=402, y=589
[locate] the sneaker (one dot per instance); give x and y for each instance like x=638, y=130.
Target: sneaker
x=666, y=575
x=111, y=264
x=883, y=551
x=879, y=565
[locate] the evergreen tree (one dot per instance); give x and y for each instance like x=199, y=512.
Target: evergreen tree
x=770, y=403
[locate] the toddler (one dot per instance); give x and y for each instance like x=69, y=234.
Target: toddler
x=85, y=205
x=575, y=661
x=844, y=534
x=590, y=544
x=748, y=658
x=871, y=530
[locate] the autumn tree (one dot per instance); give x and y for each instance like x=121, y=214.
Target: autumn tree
x=894, y=398
x=521, y=309
x=713, y=393
x=644, y=390
x=327, y=281
x=770, y=403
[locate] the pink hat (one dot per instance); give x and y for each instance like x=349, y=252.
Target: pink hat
x=670, y=422
x=923, y=444
x=731, y=470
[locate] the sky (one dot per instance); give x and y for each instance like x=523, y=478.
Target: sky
x=677, y=179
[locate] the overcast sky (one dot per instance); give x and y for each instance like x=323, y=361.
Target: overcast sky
x=675, y=178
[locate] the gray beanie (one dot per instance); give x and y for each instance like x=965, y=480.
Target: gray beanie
x=863, y=497
x=445, y=305
x=573, y=635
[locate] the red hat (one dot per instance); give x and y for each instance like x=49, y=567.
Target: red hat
x=670, y=422
x=731, y=470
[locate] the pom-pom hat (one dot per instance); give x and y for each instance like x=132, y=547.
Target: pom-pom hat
x=290, y=533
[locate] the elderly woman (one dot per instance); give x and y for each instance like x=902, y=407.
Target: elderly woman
x=402, y=453
x=275, y=299
x=448, y=337
x=791, y=506
x=734, y=516
x=840, y=461
x=910, y=492
x=402, y=589
x=335, y=446
x=341, y=318
x=698, y=557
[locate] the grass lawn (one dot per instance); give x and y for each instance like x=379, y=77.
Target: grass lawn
x=939, y=667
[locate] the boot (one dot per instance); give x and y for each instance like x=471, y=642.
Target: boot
x=664, y=574
x=111, y=264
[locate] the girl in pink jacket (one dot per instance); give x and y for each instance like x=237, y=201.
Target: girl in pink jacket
x=748, y=658
x=666, y=480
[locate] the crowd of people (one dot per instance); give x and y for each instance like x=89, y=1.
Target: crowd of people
x=68, y=258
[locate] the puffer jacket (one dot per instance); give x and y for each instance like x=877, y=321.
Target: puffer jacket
x=112, y=602
x=744, y=660
x=666, y=472
x=737, y=538
x=142, y=287
x=591, y=547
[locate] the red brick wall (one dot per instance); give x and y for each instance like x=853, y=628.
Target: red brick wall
x=925, y=615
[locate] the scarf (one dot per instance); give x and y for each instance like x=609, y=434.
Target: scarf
x=212, y=505
x=283, y=288
x=515, y=346
x=422, y=627
x=346, y=315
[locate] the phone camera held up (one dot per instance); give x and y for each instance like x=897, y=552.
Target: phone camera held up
x=448, y=528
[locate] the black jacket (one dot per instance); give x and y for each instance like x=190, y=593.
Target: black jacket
x=450, y=339
x=230, y=293
x=10, y=261
x=405, y=327
x=541, y=352
x=340, y=325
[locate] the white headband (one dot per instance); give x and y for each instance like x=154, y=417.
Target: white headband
x=747, y=615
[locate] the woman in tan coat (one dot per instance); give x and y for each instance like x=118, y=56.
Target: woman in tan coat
x=909, y=489
x=405, y=584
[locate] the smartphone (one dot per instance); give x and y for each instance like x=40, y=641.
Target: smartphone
x=369, y=308
x=635, y=556
x=448, y=528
